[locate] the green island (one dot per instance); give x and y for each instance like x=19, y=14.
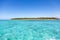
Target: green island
x=38, y=18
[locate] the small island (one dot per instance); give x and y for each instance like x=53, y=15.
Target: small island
x=39, y=18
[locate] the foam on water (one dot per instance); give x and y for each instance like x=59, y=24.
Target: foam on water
x=30, y=30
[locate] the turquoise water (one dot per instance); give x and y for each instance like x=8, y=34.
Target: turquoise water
x=30, y=30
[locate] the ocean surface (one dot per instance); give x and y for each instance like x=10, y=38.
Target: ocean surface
x=29, y=29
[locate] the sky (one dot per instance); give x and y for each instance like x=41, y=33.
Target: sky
x=29, y=8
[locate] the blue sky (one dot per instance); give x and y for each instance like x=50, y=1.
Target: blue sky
x=29, y=8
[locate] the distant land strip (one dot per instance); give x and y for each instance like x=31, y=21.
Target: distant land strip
x=40, y=18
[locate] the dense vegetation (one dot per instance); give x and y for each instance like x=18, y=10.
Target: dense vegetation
x=42, y=18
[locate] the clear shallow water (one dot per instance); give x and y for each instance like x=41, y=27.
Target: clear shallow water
x=29, y=30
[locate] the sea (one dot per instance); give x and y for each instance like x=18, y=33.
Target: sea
x=29, y=29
